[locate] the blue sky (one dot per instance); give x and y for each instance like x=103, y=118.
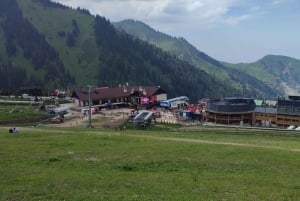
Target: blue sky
x=228, y=30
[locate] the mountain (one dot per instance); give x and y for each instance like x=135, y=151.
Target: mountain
x=175, y=46
x=49, y=45
x=25, y=55
x=232, y=75
x=280, y=72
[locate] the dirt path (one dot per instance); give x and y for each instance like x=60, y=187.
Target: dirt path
x=188, y=140
x=210, y=142
x=113, y=120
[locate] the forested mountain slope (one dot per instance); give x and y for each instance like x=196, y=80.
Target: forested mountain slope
x=49, y=45
x=25, y=56
x=173, y=45
x=279, y=72
x=239, y=78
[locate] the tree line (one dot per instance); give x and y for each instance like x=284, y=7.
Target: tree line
x=124, y=58
x=21, y=37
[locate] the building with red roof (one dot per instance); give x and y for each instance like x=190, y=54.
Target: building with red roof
x=128, y=95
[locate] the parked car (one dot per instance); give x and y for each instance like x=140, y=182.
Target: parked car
x=291, y=127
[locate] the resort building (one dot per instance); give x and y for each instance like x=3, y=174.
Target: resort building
x=243, y=111
x=231, y=111
x=288, y=111
x=119, y=96
x=265, y=116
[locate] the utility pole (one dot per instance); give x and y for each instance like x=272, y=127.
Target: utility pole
x=265, y=105
x=90, y=110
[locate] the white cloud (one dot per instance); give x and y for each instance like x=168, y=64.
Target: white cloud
x=194, y=5
x=204, y=11
x=276, y=2
x=211, y=25
x=236, y=20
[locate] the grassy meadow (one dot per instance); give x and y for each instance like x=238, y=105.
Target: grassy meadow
x=104, y=164
x=11, y=112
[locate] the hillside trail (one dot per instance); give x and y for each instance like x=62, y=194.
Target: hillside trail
x=82, y=120
x=161, y=138
x=191, y=140
x=113, y=121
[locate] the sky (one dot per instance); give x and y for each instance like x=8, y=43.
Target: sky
x=234, y=31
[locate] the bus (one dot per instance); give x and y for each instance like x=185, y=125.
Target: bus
x=173, y=103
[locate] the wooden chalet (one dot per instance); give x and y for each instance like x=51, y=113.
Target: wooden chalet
x=120, y=96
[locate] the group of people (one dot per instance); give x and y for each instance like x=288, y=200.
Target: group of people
x=13, y=130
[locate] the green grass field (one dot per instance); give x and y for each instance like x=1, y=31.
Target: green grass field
x=11, y=112
x=97, y=164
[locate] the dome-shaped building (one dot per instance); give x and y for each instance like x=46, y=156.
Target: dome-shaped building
x=231, y=111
